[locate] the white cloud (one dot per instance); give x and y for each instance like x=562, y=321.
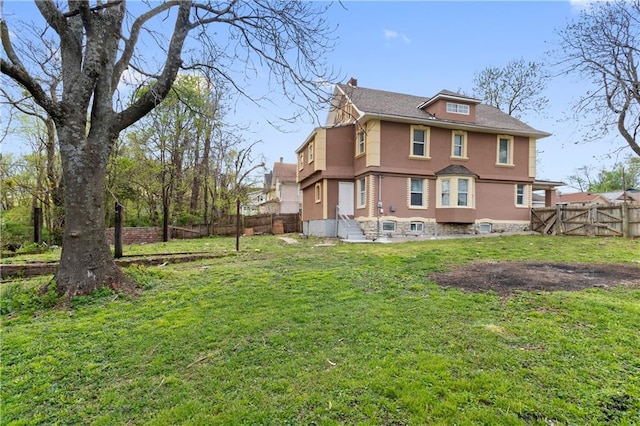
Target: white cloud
x=580, y=5
x=392, y=34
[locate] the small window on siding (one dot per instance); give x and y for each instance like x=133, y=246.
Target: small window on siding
x=362, y=192
x=521, y=195
x=318, y=190
x=361, y=141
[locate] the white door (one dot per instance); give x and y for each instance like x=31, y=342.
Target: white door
x=345, y=198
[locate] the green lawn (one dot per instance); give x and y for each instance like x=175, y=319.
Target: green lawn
x=345, y=334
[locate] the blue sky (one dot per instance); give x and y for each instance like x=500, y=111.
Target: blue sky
x=422, y=47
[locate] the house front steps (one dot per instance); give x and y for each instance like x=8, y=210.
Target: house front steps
x=349, y=230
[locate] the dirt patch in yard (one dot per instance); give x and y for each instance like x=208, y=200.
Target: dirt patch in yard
x=506, y=277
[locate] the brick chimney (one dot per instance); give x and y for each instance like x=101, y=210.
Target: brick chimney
x=353, y=82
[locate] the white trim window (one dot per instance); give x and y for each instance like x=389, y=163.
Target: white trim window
x=463, y=192
x=417, y=193
x=419, y=142
x=459, y=144
x=301, y=161
x=454, y=108
x=456, y=191
x=521, y=195
x=445, y=192
x=504, y=150
x=318, y=192
x=362, y=192
x=310, y=155
x=361, y=142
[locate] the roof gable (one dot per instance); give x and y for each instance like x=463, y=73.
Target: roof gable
x=284, y=172
x=455, y=169
x=581, y=197
x=393, y=106
x=449, y=96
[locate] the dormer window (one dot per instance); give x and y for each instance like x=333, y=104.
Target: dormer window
x=454, y=108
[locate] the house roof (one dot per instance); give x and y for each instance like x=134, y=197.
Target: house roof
x=540, y=184
x=580, y=197
x=455, y=169
x=629, y=195
x=612, y=196
x=267, y=178
x=449, y=95
x=400, y=106
x=284, y=172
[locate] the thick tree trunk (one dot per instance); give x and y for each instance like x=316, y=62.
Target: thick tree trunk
x=195, y=182
x=205, y=174
x=86, y=263
x=55, y=187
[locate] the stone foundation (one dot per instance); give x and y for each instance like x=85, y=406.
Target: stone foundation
x=430, y=228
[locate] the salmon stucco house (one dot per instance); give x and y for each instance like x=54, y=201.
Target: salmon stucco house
x=391, y=164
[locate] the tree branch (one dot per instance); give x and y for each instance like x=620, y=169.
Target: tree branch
x=129, y=44
x=161, y=87
x=53, y=16
x=93, y=9
x=23, y=78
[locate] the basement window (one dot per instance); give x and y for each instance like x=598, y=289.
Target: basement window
x=389, y=226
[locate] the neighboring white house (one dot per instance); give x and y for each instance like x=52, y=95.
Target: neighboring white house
x=255, y=197
x=282, y=191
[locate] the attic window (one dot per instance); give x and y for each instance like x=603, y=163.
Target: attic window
x=457, y=108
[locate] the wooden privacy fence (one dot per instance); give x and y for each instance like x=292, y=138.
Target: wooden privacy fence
x=226, y=225
x=602, y=220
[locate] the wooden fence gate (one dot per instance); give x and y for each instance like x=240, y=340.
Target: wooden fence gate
x=602, y=220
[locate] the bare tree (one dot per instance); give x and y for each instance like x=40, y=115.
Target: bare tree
x=602, y=45
x=101, y=42
x=582, y=178
x=43, y=52
x=514, y=89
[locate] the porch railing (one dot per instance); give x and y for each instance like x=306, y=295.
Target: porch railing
x=340, y=217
